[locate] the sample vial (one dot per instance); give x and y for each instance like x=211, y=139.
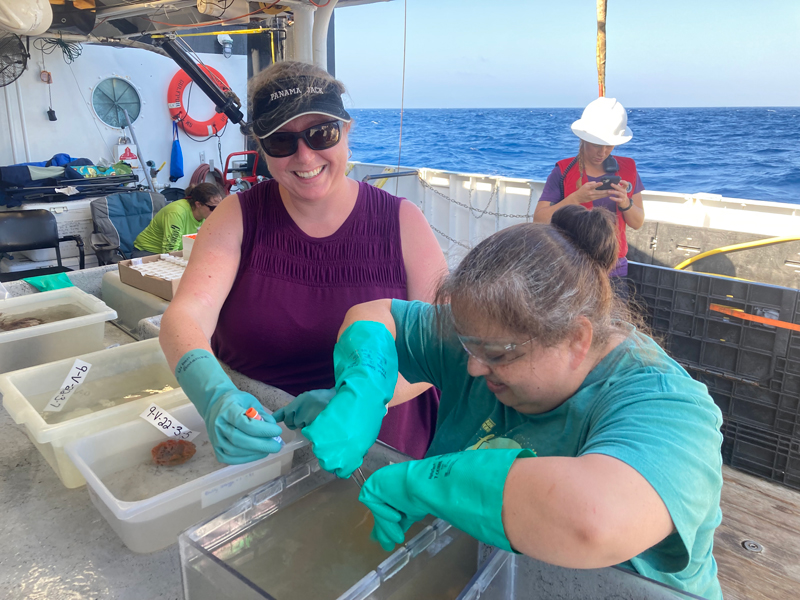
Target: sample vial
x=252, y=413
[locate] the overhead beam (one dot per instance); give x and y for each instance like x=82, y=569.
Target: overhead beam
x=134, y=10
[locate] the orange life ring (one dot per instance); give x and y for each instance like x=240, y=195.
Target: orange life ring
x=175, y=104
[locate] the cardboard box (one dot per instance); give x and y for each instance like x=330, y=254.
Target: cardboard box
x=154, y=285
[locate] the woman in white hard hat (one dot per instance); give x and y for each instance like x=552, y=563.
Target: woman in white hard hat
x=580, y=179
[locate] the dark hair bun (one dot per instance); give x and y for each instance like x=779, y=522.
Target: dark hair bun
x=202, y=193
x=594, y=232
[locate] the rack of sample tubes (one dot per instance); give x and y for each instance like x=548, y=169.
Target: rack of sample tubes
x=167, y=267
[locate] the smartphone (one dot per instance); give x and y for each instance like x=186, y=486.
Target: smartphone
x=607, y=181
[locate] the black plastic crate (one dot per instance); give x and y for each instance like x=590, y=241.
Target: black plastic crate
x=753, y=404
x=677, y=305
x=761, y=453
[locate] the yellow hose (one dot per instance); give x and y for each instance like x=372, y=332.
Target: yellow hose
x=737, y=247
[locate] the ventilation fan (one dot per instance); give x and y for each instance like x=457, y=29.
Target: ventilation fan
x=13, y=58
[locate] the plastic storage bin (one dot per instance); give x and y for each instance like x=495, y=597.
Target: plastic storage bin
x=73, y=324
x=761, y=452
x=507, y=576
x=148, y=506
x=679, y=306
x=133, y=369
x=132, y=304
x=305, y=535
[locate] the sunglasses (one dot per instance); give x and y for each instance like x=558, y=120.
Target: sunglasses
x=318, y=137
x=492, y=354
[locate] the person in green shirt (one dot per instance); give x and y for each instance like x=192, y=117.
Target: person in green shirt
x=564, y=433
x=182, y=217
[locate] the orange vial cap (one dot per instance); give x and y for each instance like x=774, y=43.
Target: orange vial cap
x=252, y=413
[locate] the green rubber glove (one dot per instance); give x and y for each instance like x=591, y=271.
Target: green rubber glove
x=45, y=283
x=301, y=411
x=236, y=438
x=365, y=365
x=465, y=489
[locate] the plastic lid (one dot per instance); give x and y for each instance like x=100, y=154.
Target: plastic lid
x=252, y=413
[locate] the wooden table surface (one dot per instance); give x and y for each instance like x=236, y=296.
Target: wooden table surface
x=769, y=514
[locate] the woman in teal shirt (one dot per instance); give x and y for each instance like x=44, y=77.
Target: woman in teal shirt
x=594, y=448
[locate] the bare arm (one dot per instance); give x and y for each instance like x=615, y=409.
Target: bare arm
x=191, y=318
x=634, y=216
x=587, y=512
x=425, y=265
x=586, y=193
x=379, y=311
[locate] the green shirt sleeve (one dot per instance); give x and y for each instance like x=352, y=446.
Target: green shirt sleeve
x=666, y=426
x=421, y=351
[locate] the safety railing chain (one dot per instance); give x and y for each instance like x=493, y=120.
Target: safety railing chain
x=472, y=209
x=469, y=207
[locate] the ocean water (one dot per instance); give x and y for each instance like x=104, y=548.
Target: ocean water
x=737, y=152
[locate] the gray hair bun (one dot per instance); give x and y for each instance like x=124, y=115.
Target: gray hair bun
x=593, y=232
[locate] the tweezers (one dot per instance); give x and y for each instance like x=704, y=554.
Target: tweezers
x=358, y=477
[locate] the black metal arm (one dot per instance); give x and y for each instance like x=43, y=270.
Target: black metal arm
x=78, y=240
x=228, y=104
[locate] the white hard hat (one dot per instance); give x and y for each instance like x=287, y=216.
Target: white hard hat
x=26, y=17
x=605, y=122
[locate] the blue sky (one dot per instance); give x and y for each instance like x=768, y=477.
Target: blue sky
x=529, y=53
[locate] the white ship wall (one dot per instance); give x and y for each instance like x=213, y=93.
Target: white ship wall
x=28, y=136
x=465, y=208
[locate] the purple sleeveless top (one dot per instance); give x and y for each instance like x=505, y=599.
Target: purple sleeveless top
x=281, y=318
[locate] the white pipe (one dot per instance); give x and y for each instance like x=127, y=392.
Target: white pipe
x=23, y=123
x=303, y=33
x=322, y=19
x=10, y=128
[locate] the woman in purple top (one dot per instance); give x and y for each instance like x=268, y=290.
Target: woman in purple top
x=275, y=269
x=579, y=180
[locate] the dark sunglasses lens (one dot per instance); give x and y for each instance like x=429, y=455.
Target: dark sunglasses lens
x=280, y=144
x=211, y=207
x=322, y=137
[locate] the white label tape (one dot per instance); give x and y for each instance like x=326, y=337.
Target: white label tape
x=77, y=375
x=173, y=104
x=240, y=484
x=167, y=424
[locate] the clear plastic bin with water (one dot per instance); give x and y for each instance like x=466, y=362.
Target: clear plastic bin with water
x=120, y=384
x=506, y=576
x=149, y=505
x=306, y=536
x=40, y=328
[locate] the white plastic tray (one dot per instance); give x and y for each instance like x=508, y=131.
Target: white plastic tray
x=21, y=348
x=26, y=392
x=154, y=522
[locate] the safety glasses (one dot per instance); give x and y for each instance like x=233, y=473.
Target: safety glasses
x=318, y=137
x=493, y=353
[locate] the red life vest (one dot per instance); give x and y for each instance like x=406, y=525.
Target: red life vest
x=627, y=171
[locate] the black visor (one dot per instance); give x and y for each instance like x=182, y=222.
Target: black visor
x=287, y=99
